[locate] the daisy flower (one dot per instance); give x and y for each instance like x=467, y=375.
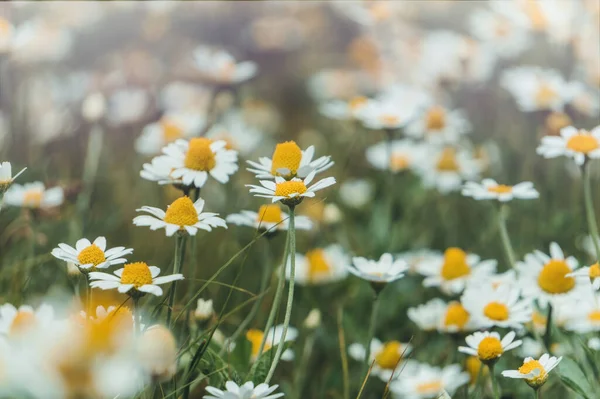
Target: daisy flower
x=583, y=314
x=428, y=315
x=580, y=145
x=356, y=193
x=590, y=273
x=237, y=133
x=90, y=256
x=534, y=372
x=344, y=110
x=34, y=195
x=497, y=281
x=454, y=269
x=135, y=279
x=498, y=307
x=388, y=112
x=160, y=170
x=15, y=322
x=194, y=160
x=487, y=346
x=320, y=266
x=245, y=391
x=289, y=161
x=546, y=278
x=385, y=356
x=536, y=88
x=489, y=189
x=505, y=36
x=384, y=270
x=290, y=192
x=404, y=155
x=439, y=125
x=127, y=106
x=219, y=67
x=446, y=168
x=182, y=215
x=6, y=177
x=273, y=338
x=429, y=382
x=171, y=127
x=415, y=258
x=268, y=217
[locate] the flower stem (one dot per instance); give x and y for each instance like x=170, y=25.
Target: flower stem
x=88, y=299
x=548, y=334
x=344, y=358
x=371, y=333
x=589, y=210
x=508, y=248
x=137, y=322
x=177, y=263
x=495, y=387
x=288, y=309
x=537, y=393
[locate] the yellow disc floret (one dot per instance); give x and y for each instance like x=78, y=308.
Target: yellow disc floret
x=389, y=356
x=447, y=161
x=91, y=255
x=255, y=337
x=182, y=212
x=530, y=366
x=199, y=155
x=594, y=271
x=318, y=265
x=456, y=315
x=496, y=311
x=137, y=273
x=269, y=214
x=583, y=143
x=286, y=156
x=288, y=188
x=545, y=95
x=22, y=322
x=171, y=131
x=500, y=189
x=399, y=162
x=435, y=119
x=429, y=388
x=455, y=264
x=33, y=198
x=489, y=348
x=552, y=279
x=594, y=316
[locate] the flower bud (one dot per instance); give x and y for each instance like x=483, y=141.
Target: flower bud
x=157, y=351
x=204, y=309
x=313, y=320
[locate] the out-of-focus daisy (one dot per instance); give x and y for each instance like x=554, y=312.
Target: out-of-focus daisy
x=204, y=309
x=453, y=270
x=487, y=346
x=393, y=109
x=289, y=161
x=583, y=314
x=6, y=177
x=404, y=155
x=237, y=133
x=489, y=189
x=34, y=195
x=385, y=356
x=429, y=382
x=245, y=391
x=195, y=159
x=127, y=105
x=320, y=266
x=556, y=121
x=93, y=107
x=594, y=343
x=170, y=127
x=160, y=170
x=136, y=279
x=473, y=366
x=591, y=273
x=573, y=143
x=268, y=217
x=37, y=40
x=356, y=193
x=90, y=256
x=497, y=281
x=455, y=318
x=181, y=215
x=585, y=100
x=531, y=348
x=534, y=372
x=588, y=246
x=505, y=36
x=546, y=278
x=536, y=89
x=290, y=192
x=499, y=307
x=384, y=270
x=439, y=125
x=344, y=110
x=428, y=315
x=273, y=338
x=219, y=67
x=445, y=169
x=17, y=322
x=157, y=353
x=416, y=257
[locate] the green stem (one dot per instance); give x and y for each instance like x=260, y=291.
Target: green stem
x=548, y=334
x=371, y=333
x=303, y=364
x=290, y=301
x=508, y=248
x=177, y=263
x=589, y=210
x=344, y=357
x=495, y=387
x=137, y=322
x=537, y=394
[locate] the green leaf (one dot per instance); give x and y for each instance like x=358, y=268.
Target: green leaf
x=264, y=363
x=573, y=377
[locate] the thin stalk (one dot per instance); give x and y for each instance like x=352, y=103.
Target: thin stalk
x=537, y=394
x=371, y=334
x=177, y=263
x=495, y=386
x=548, y=334
x=508, y=248
x=88, y=298
x=303, y=364
x=290, y=300
x=344, y=357
x=137, y=322
x=589, y=210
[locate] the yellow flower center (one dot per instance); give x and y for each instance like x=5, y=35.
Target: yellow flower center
x=399, y=162
x=380, y=11
x=182, y=212
x=455, y=264
x=137, y=273
x=489, y=348
x=531, y=365
x=317, y=264
x=500, y=189
x=199, y=155
x=357, y=102
x=389, y=356
x=583, y=143
x=496, y=311
x=33, y=198
x=594, y=316
x=91, y=255
x=269, y=214
x=388, y=119
x=286, y=156
x=5, y=27
x=227, y=70
x=22, y=322
x=435, y=119
x=552, y=279
x=447, y=161
x=429, y=388
x=502, y=27
x=255, y=337
x=472, y=365
x=594, y=271
x=556, y=121
x=545, y=95
x=170, y=130
x=287, y=188
x=538, y=319
x=456, y=315
x=536, y=16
